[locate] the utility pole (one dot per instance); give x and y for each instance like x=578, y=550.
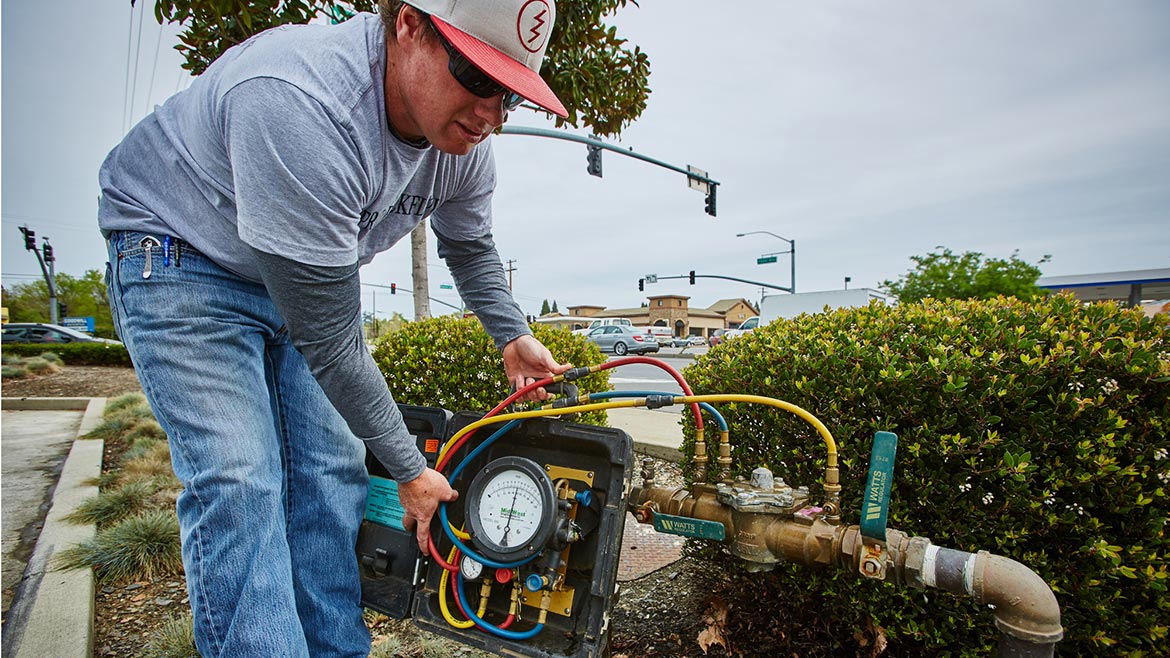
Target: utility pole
x=418, y=271
x=30, y=244
x=511, y=268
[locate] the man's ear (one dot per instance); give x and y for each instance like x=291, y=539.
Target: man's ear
x=411, y=26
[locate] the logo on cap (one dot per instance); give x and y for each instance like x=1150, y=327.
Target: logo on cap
x=532, y=25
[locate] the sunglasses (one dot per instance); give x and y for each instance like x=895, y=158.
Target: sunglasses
x=474, y=80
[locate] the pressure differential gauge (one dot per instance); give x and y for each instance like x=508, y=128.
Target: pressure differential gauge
x=470, y=568
x=511, y=509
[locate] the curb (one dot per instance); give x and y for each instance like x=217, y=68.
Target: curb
x=52, y=611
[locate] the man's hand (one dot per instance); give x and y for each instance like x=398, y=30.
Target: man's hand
x=420, y=498
x=527, y=360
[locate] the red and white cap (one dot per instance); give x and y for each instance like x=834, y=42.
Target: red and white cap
x=505, y=39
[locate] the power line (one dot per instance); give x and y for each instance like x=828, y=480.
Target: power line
x=134, y=80
x=126, y=80
x=150, y=89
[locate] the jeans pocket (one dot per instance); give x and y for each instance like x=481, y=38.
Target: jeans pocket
x=113, y=299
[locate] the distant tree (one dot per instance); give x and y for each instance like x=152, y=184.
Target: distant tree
x=544, y=308
x=554, y=307
x=942, y=274
x=378, y=327
x=83, y=296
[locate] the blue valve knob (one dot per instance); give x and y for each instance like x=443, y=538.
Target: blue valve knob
x=533, y=582
x=585, y=497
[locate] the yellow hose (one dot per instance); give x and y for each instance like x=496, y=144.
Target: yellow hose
x=826, y=436
x=443, y=597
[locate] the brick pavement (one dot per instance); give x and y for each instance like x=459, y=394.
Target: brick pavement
x=644, y=550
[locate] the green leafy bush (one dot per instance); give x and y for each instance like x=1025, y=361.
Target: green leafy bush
x=1036, y=431
x=77, y=354
x=452, y=363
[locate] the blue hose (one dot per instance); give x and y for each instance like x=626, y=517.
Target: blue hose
x=446, y=524
x=719, y=420
x=494, y=630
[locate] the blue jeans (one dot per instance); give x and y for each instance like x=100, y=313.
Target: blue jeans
x=274, y=483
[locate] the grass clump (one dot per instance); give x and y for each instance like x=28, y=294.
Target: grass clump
x=137, y=548
x=387, y=648
x=123, y=402
x=175, y=639
x=113, y=505
x=52, y=357
x=13, y=372
x=39, y=366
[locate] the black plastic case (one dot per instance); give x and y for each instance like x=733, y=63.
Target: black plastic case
x=388, y=556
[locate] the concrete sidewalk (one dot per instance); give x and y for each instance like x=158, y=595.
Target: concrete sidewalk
x=52, y=611
x=656, y=432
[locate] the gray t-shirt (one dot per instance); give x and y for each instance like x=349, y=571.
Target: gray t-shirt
x=278, y=163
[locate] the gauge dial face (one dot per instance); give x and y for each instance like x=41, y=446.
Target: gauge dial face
x=511, y=509
x=470, y=568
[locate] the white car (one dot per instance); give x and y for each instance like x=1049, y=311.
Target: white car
x=745, y=328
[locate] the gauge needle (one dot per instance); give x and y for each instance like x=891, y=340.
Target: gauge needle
x=508, y=525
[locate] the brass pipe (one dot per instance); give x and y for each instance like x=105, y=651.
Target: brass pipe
x=1026, y=611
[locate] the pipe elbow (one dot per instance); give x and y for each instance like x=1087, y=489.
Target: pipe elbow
x=1025, y=606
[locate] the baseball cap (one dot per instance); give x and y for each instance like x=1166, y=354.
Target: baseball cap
x=505, y=39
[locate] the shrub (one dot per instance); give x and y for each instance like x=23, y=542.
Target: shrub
x=1036, y=431
x=78, y=354
x=452, y=363
x=136, y=548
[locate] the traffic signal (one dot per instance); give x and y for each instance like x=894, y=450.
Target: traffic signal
x=594, y=159
x=62, y=309
x=48, y=250
x=393, y=288
x=30, y=238
x=710, y=205
x=641, y=284
x=692, y=277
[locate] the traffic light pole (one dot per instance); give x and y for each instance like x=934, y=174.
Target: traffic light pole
x=692, y=276
x=394, y=290
x=595, y=146
x=30, y=244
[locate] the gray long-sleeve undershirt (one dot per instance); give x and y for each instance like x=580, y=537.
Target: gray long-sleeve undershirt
x=321, y=306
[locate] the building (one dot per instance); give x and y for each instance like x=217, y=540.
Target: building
x=672, y=311
x=1134, y=287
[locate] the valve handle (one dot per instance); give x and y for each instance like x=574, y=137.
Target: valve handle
x=875, y=506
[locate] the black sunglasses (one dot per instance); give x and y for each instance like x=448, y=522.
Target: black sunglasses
x=473, y=79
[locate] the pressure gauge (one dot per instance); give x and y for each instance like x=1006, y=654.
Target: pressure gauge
x=511, y=509
x=470, y=568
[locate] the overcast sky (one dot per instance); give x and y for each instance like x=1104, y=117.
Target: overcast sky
x=868, y=132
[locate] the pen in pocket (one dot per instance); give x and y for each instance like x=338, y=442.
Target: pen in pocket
x=166, y=251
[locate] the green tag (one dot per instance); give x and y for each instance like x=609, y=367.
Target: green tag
x=681, y=525
x=876, y=505
x=382, y=505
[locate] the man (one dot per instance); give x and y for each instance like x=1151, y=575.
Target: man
x=237, y=215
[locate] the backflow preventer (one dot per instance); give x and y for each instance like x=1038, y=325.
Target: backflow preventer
x=525, y=563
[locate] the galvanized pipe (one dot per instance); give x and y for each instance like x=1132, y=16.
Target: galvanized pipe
x=1026, y=611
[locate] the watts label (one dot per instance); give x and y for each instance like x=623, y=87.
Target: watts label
x=681, y=525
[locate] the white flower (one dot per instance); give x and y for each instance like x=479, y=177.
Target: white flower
x=988, y=499
x=1160, y=454
x=965, y=487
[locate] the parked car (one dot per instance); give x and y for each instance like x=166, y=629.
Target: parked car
x=746, y=328
x=621, y=339
x=38, y=332
x=680, y=341
x=603, y=322
x=697, y=341
x=716, y=337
